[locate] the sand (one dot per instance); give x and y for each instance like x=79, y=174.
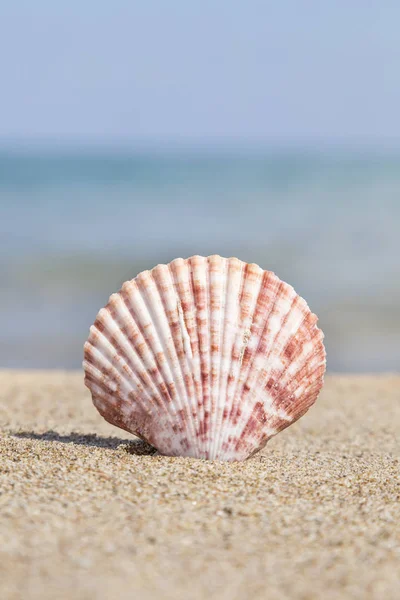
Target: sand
x=87, y=514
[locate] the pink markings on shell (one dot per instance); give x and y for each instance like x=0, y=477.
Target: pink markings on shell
x=205, y=357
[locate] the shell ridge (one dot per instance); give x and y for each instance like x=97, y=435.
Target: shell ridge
x=101, y=390
x=187, y=348
x=308, y=356
x=210, y=395
x=303, y=358
x=313, y=390
x=180, y=338
x=262, y=374
x=95, y=375
x=128, y=359
x=318, y=367
x=187, y=369
x=305, y=404
x=98, y=364
x=271, y=409
x=229, y=344
x=309, y=335
x=221, y=328
x=104, y=407
x=317, y=355
x=222, y=335
x=101, y=368
x=288, y=341
x=163, y=340
x=152, y=376
x=201, y=294
x=213, y=403
x=252, y=362
x=162, y=368
x=198, y=362
x=115, y=362
x=237, y=398
x=159, y=371
x=246, y=328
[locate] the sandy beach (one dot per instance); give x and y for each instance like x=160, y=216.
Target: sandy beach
x=87, y=512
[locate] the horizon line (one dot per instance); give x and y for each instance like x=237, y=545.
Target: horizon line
x=211, y=146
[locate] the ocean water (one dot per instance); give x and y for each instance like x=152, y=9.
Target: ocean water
x=74, y=226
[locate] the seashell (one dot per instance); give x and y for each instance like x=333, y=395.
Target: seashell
x=205, y=357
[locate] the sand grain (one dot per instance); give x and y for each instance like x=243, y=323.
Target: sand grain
x=88, y=516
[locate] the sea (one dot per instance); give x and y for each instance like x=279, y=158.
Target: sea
x=75, y=224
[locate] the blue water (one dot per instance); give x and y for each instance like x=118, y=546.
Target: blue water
x=74, y=226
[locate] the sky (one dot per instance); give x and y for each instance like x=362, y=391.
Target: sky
x=185, y=71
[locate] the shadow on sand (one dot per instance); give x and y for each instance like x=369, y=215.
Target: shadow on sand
x=137, y=447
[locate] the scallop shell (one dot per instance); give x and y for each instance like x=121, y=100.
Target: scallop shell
x=205, y=357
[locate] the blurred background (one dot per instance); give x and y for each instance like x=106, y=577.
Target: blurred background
x=135, y=132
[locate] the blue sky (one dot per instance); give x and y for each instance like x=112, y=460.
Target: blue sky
x=185, y=71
